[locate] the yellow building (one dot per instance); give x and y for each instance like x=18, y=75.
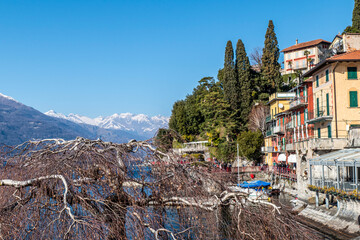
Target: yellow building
x=336, y=90
x=275, y=123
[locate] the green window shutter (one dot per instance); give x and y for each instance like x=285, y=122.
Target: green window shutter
x=327, y=105
x=353, y=99
x=352, y=72
x=329, y=131
x=317, y=107
x=299, y=119
x=317, y=81
x=327, y=75
x=319, y=133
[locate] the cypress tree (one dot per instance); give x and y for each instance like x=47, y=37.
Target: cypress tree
x=243, y=73
x=229, y=81
x=356, y=15
x=270, y=70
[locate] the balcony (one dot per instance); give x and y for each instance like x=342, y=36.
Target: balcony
x=281, y=95
x=290, y=125
x=320, y=114
x=279, y=148
x=278, y=130
x=267, y=149
x=269, y=132
x=328, y=143
x=298, y=102
x=276, y=149
x=318, y=144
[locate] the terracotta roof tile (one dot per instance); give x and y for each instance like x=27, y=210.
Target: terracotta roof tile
x=348, y=56
x=304, y=45
x=354, y=55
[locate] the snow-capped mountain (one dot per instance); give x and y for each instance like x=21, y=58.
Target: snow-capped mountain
x=140, y=124
x=20, y=123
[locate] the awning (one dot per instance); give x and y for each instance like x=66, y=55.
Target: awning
x=282, y=158
x=345, y=157
x=292, y=158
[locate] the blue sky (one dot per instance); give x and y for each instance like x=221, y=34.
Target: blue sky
x=112, y=56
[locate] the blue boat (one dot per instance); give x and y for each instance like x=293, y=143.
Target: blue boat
x=254, y=184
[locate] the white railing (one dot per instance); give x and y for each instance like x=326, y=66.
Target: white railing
x=278, y=129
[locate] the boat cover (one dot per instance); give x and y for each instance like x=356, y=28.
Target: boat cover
x=254, y=184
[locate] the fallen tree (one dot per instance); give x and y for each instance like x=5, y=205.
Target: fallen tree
x=90, y=189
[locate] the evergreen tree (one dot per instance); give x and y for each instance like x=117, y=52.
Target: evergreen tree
x=178, y=120
x=228, y=78
x=355, y=28
x=356, y=16
x=270, y=70
x=243, y=73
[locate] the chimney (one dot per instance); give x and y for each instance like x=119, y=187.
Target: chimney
x=297, y=42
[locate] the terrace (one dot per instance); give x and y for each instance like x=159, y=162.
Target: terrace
x=339, y=170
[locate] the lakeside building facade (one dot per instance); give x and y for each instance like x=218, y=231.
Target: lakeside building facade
x=323, y=115
x=303, y=56
x=275, y=128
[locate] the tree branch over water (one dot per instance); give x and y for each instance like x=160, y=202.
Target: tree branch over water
x=90, y=189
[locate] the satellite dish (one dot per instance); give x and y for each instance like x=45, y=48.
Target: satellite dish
x=281, y=105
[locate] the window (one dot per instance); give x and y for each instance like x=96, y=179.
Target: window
x=317, y=80
x=303, y=63
x=296, y=54
x=352, y=72
x=353, y=99
x=317, y=107
x=329, y=131
x=319, y=132
x=305, y=115
x=305, y=93
x=297, y=64
x=327, y=75
x=327, y=105
x=298, y=119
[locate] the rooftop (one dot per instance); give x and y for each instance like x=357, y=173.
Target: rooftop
x=281, y=96
x=348, y=56
x=305, y=45
x=344, y=57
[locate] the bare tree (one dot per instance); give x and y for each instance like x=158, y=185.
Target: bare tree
x=257, y=118
x=85, y=189
x=256, y=56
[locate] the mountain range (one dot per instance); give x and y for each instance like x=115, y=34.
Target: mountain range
x=20, y=123
x=139, y=124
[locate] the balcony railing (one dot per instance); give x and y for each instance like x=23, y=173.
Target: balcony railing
x=267, y=149
x=279, y=148
x=320, y=114
x=298, y=102
x=290, y=125
x=269, y=132
x=278, y=129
